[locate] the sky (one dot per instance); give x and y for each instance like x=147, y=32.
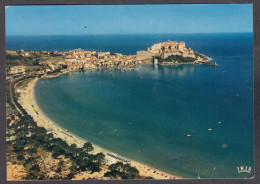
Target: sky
x=128, y=19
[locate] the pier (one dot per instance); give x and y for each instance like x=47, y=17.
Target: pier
x=209, y=64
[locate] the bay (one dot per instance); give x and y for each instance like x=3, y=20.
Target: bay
x=147, y=113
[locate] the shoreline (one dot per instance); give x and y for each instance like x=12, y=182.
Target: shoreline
x=27, y=99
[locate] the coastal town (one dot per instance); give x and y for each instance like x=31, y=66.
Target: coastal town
x=78, y=59
x=37, y=148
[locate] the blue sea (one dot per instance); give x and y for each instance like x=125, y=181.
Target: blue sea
x=146, y=114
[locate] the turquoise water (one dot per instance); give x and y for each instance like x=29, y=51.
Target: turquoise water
x=147, y=113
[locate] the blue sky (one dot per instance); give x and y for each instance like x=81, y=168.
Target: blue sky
x=128, y=19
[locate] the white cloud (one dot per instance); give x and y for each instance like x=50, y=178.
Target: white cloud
x=6, y=7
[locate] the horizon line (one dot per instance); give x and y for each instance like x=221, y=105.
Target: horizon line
x=131, y=34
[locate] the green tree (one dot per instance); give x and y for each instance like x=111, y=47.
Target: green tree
x=100, y=158
x=19, y=145
x=73, y=146
x=57, y=150
x=73, y=171
x=88, y=147
x=83, y=164
x=130, y=172
x=124, y=171
x=31, y=151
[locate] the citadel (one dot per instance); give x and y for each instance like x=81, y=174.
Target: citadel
x=169, y=48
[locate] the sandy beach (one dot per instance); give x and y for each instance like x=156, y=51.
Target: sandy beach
x=27, y=99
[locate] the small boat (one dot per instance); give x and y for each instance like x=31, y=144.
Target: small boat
x=198, y=176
